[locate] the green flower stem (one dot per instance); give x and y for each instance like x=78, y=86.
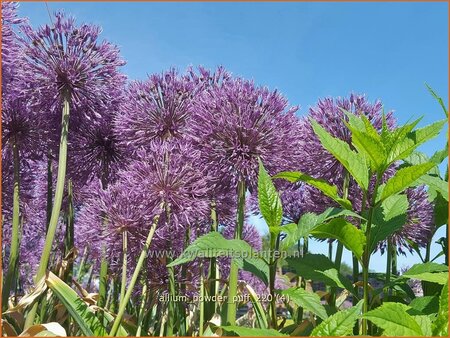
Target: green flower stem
x=389, y=255
x=49, y=189
x=234, y=269
x=137, y=270
x=69, y=235
x=81, y=267
x=59, y=192
x=201, y=302
x=366, y=256
x=210, y=306
x=274, y=244
x=172, y=301
x=142, y=310
x=354, y=299
x=123, y=285
x=10, y=278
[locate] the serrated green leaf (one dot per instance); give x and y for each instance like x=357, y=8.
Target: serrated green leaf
x=369, y=144
x=83, y=315
x=250, y=332
x=439, y=99
x=440, y=211
x=404, y=178
x=309, y=301
x=395, y=205
x=440, y=326
x=256, y=266
x=350, y=236
x=382, y=229
x=397, y=135
x=435, y=184
x=268, y=199
x=440, y=155
x=326, y=188
x=426, y=267
x=318, y=267
x=418, y=157
x=339, y=324
x=352, y=161
x=413, y=139
x=214, y=244
x=426, y=304
x=424, y=324
x=393, y=319
x=438, y=277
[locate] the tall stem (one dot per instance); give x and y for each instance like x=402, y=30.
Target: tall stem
x=389, y=255
x=142, y=309
x=201, y=302
x=15, y=241
x=124, y=265
x=274, y=244
x=59, y=193
x=134, y=278
x=210, y=306
x=366, y=255
x=49, y=189
x=69, y=235
x=234, y=269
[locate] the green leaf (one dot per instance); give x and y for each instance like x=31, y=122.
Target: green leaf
x=426, y=304
x=438, y=98
x=395, y=205
x=424, y=324
x=440, y=155
x=413, y=139
x=440, y=326
x=435, y=184
x=326, y=188
x=214, y=244
x=83, y=315
x=258, y=308
x=350, y=236
x=307, y=300
x=426, y=267
x=404, y=178
x=382, y=229
x=339, y=324
x=394, y=321
x=397, y=135
x=256, y=266
x=268, y=199
x=440, y=211
x=319, y=268
x=352, y=161
x=250, y=332
x=438, y=277
x=369, y=144
x=418, y=157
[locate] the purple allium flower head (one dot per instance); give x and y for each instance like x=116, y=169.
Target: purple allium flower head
x=298, y=199
x=156, y=109
x=237, y=122
x=419, y=222
x=317, y=161
x=169, y=173
x=96, y=152
x=65, y=59
x=10, y=46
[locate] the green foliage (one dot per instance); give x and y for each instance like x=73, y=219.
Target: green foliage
x=309, y=301
x=430, y=272
x=440, y=326
x=350, y=236
x=319, y=268
x=339, y=324
x=426, y=305
x=250, y=332
x=393, y=319
x=83, y=315
x=352, y=161
x=326, y=188
x=268, y=199
x=214, y=244
x=404, y=178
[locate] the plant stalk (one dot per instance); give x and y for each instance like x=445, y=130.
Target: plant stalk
x=59, y=193
x=137, y=270
x=123, y=284
x=10, y=278
x=234, y=269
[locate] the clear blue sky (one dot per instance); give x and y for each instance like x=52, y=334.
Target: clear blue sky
x=306, y=50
